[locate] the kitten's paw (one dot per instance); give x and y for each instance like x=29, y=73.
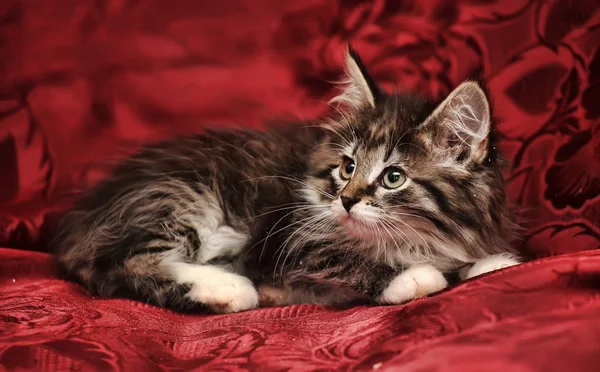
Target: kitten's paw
x=225, y=293
x=417, y=281
x=489, y=264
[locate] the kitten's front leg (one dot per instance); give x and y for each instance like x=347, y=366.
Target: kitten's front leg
x=488, y=264
x=414, y=282
x=221, y=290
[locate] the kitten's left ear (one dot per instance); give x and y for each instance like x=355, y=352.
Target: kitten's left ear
x=461, y=123
x=359, y=88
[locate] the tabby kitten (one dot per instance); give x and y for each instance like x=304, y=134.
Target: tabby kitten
x=373, y=205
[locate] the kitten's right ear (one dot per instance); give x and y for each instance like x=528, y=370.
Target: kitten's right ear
x=359, y=88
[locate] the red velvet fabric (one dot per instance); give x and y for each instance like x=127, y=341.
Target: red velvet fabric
x=83, y=80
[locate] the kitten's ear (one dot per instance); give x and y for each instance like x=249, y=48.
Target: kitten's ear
x=359, y=88
x=461, y=123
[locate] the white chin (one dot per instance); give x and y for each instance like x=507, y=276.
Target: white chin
x=360, y=224
x=361, y=230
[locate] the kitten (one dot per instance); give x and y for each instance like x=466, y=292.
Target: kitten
x=373, y=205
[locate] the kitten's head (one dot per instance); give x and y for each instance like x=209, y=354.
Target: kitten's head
x=418, y=178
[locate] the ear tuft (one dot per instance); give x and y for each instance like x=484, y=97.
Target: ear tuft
x=464, y=122
x=359, y=88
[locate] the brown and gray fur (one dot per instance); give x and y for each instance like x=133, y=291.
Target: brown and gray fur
x=265, y=206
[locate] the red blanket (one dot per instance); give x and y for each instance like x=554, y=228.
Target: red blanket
x=82, y=80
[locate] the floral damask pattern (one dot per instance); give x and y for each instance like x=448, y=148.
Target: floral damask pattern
x=540, y=314
x=85, y=82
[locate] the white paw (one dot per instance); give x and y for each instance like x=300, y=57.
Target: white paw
x=489, y=264
x=417, y=281
x=225, y=293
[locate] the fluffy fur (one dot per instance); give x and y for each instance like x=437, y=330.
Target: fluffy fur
x=372, y=205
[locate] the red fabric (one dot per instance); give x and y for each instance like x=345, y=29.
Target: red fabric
x=82, y=79
x=539, y=316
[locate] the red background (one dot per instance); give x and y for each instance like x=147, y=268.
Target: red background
x=81, y=81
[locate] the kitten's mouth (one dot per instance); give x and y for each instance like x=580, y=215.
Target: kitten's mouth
x=357, y=225
x=358, y=228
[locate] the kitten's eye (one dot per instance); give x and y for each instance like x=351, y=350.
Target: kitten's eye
x=347, y=169
x=393, y=178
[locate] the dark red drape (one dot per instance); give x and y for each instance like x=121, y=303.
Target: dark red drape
x=81, y=81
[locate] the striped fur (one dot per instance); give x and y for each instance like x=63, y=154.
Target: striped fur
x=234, y=220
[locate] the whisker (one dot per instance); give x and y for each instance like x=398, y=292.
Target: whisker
x=410, y=227
x=322, y=192
x=327, y=144
x=410, y=246
x=345, y=118
x=286, y=207
x=395, y=215
x=306, y=237
x=271, y=233
x=309, y=221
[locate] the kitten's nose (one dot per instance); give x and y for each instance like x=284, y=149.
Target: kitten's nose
x=349, y=201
